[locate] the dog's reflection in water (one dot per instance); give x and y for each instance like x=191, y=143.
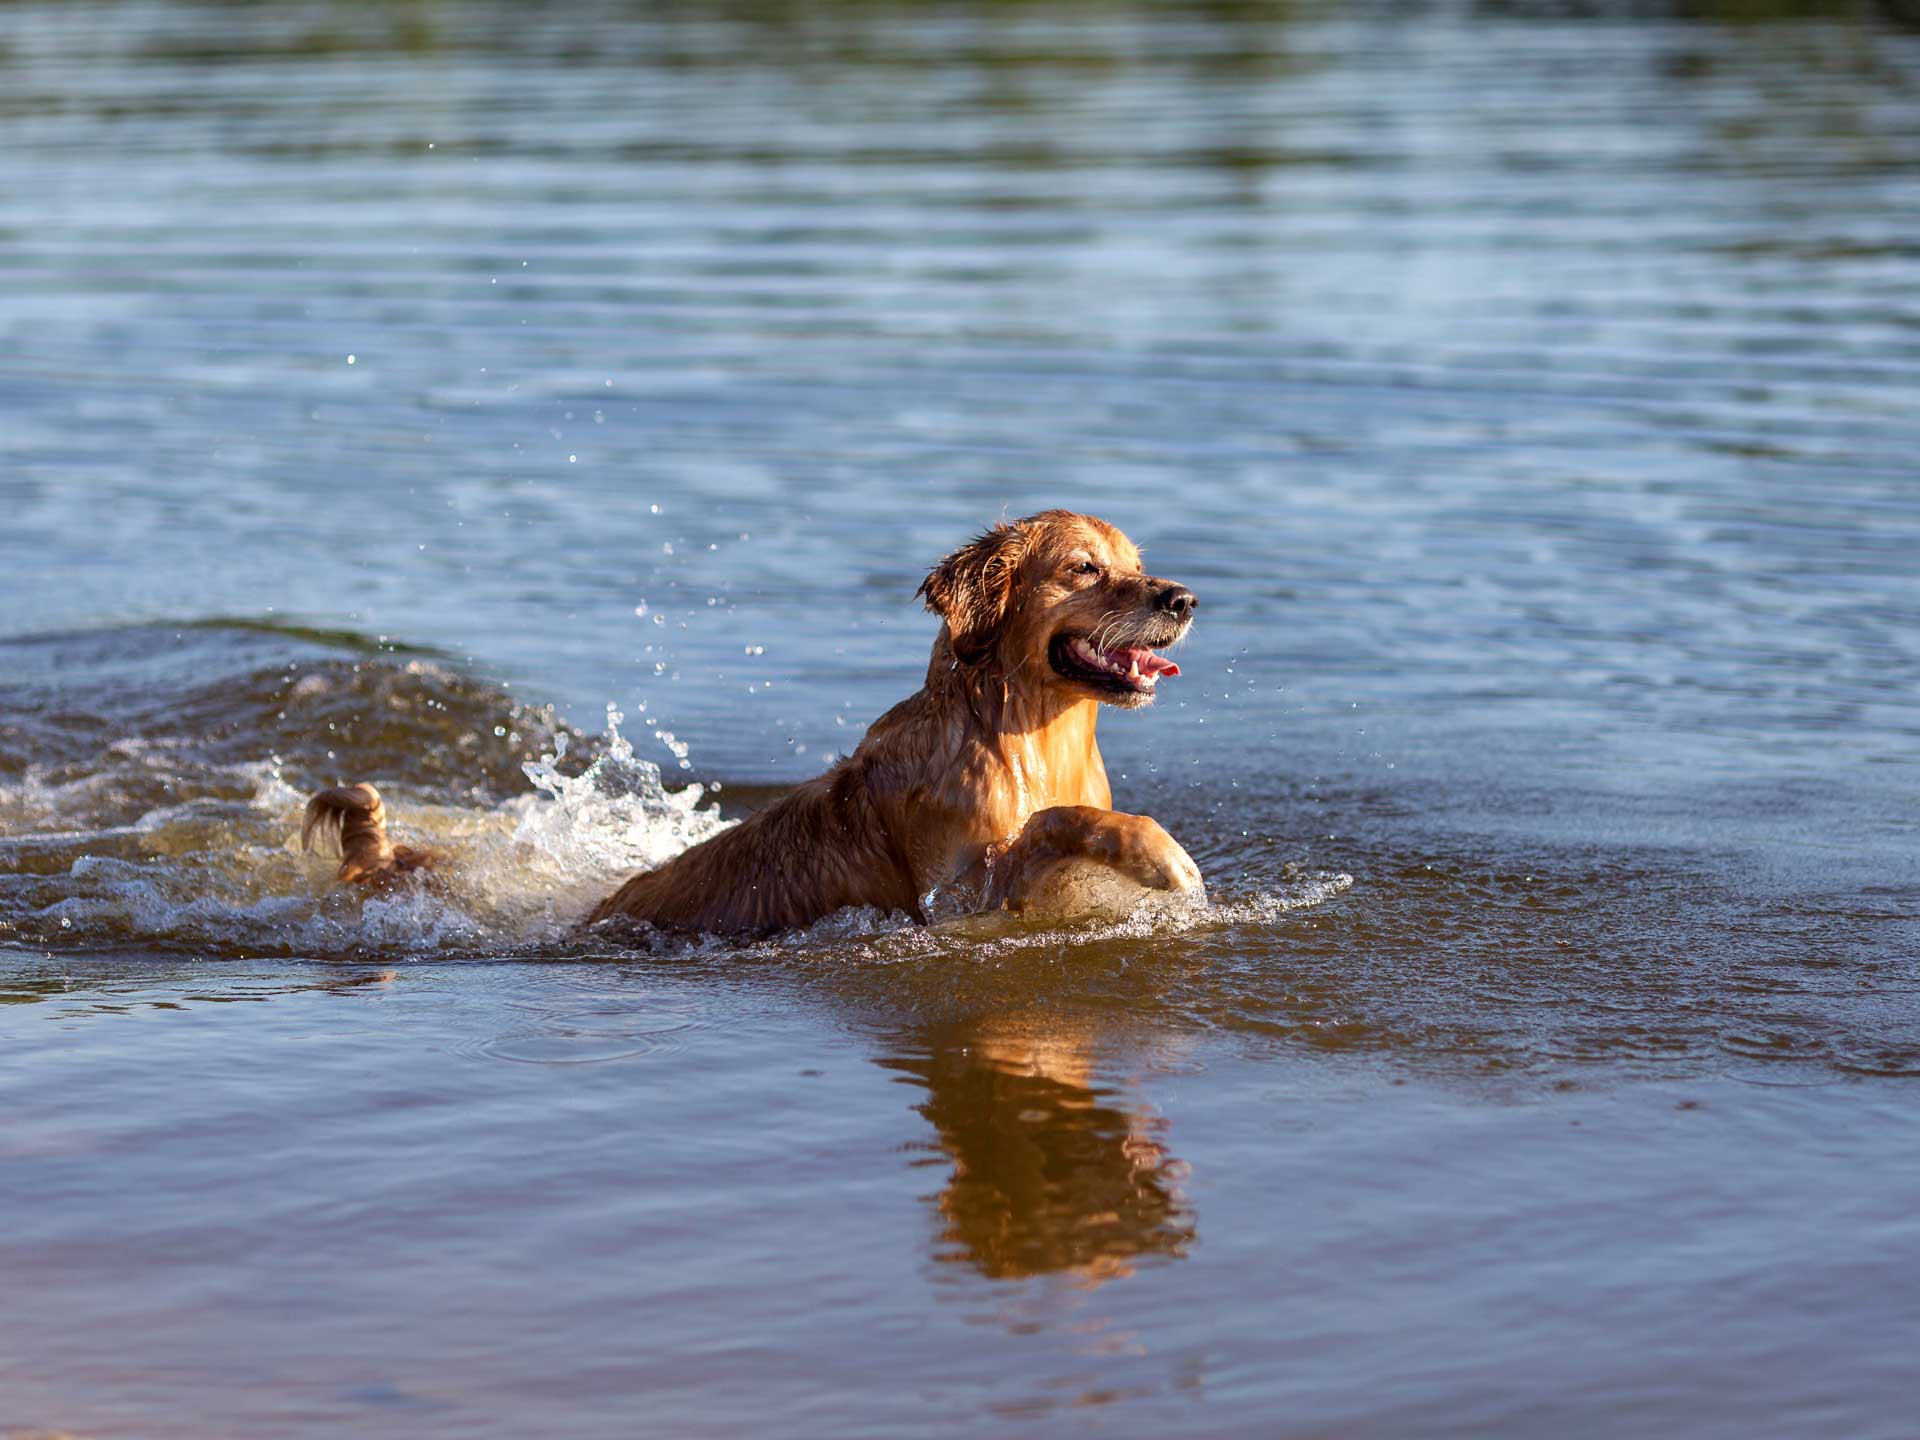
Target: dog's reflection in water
x=1051, y=1173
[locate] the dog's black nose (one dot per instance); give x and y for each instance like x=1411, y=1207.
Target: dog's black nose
x=1179, y=600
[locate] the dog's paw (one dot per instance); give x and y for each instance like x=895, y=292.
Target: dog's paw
x=1139, y=848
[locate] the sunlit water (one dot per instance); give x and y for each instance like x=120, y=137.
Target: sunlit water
x=402, y=393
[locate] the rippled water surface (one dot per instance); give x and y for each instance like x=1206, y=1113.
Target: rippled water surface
x=539, y=413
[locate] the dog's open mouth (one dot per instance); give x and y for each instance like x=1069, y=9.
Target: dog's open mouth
x=1125, y=669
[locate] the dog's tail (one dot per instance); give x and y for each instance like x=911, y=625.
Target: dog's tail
x=354, y=820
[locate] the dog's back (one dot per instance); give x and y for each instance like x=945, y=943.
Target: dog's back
x=815, y=850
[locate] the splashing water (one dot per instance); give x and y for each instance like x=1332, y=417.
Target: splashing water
x=228, y=874
x=174, y=822
x=577, y=837
x=184, y=834
x=617, y=815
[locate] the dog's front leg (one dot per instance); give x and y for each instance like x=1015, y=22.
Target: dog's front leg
x=1077, y=859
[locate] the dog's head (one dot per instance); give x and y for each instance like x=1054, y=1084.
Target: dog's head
x=1058, y=600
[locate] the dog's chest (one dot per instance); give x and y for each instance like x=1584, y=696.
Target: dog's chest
x=1030, y=779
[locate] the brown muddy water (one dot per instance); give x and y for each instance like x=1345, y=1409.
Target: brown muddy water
x=390, y=391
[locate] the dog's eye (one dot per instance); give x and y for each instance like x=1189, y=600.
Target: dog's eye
x=1086, y=567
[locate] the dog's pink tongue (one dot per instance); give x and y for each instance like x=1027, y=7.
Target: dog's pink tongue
x=1152, y=664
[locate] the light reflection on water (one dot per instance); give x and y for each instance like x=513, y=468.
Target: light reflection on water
x=1528, y=399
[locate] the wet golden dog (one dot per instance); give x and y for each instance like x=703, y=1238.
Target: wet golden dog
x=987, y=782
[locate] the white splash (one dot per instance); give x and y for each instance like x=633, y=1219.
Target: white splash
x=616, y=817
x=223, y=870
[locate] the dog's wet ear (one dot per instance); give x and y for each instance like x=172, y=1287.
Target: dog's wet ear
x=972, y=590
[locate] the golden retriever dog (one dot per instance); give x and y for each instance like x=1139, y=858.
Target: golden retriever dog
x=986, y=784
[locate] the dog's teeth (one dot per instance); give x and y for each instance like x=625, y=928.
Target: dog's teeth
x=1110, y=662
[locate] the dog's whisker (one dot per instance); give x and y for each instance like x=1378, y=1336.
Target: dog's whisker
x=1106, y=630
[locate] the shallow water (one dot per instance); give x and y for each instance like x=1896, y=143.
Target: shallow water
x=1530, y=402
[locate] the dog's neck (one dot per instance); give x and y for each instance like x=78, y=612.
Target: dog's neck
x=1043, y=735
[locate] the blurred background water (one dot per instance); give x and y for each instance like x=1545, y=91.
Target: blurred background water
x=1527, y=390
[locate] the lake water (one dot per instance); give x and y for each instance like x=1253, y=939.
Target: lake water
x=386, y=391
